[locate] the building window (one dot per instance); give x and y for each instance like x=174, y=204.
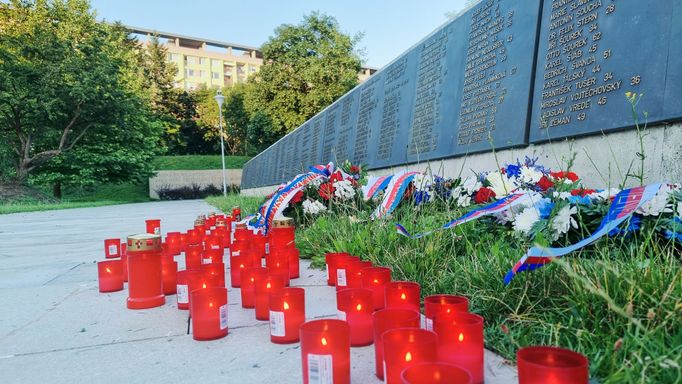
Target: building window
x=216, y=63
x=172, y=57
x=215, y=75
x=190, y=60
x=202, y=60
x=253, y=69
x=202, y=73
x=189, y=72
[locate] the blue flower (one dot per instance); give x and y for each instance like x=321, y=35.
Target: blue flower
x=421, y=197
x=544, y=207
x=583, y=200
x=513, y=170
x=670, y=235
x=632, y=225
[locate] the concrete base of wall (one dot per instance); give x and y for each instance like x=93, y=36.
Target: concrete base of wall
x=203, y=178
x=601, y=161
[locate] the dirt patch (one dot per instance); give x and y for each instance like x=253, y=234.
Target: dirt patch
x=16, y=193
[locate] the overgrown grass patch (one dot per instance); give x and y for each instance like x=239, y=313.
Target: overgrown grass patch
x=198, y=162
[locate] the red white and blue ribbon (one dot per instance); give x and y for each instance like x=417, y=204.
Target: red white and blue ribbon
x=623, y=206
x=375, y=185
x=394, y=193
x=498, y=206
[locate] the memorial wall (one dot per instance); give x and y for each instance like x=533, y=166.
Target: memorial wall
x=507, y=73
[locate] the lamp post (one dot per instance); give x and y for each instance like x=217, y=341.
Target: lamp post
x=219, y=98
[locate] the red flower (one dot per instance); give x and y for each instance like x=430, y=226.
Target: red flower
x=545, y=183
x=572, y=176
x=582, y=192
x=326, y=191
x=564, y=175
x=484, y=195
x=297, y=197
x=336, y=176
x=354, y=169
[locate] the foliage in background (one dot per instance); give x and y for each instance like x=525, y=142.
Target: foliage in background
x=193, y=191
x=197, y=162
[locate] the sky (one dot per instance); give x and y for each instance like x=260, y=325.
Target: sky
x=389, y=27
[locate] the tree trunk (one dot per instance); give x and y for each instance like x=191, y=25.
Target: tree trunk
x=57, y=190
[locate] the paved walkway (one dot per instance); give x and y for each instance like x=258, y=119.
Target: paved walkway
x=55, y=327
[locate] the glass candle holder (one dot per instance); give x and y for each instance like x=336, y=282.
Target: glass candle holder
x=435, y=373
x=278, y=261
x=192, y=237
x=551, y=365
x=354, y=273
x=173, y=241
x=330, y=261
x=384, y=320
x=355, y=306
x=213, y=242
x=112, y=248
x=145, y=285
x=110, y=275
x=260, y=244
x=216, y=273
x=169, y=271
x=263, y=285
x=443, y=304
x=294, y=262
x=375, y=279
x=214, y=255
x=237, y=213
x=248, y=282
x=460, y=342
x=341, y=270
x=153, y=226
x=405, y=347
x=287, y=314
x=325, y=351
x=193, y=256
x=186, y=279
x=402, y=294
x=283, y=233
x=124, y=260
x=209, y=313
x=237, y=263
x=183, y=241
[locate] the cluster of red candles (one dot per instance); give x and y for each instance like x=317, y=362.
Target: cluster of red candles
x=444, y=345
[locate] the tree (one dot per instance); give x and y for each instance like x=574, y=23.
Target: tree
x=72, y=95
x=235, y=117
x=259, y=133
x=306, y=67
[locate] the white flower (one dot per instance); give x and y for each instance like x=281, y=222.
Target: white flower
x=500, y=184
x=605, y=194
x=659, y=204
x=530, y=175
x=471, y=185
x=563, y=221
x=313, y=207
x=422, y=182
x=344, y=190
x=464, y=201
x=505, y=217
x=524, y=221
x=317, y=182
x=679, y=211
x=561, y=195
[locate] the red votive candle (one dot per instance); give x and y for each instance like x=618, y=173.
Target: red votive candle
x=242, y=234
x=124, y=261
x=112, y=248
x=209, y=313
x=248, y=283
x=145, y=285
x=435, y=373
x=174, y=243
x=354, y=273
x=283, y=233
x=376, y=278
x=185, y=279
x=169, y=272
x=214, y=241
x=260, y=244
x=294, y=263
x=330, y=261
x=237, y=213
x=405, y=347
x=193, y=256
x=551, y=365
x=384, y=320
x=287, y=314
x=212, y=256
x=278, y=261
x=325, y=351
x=183, y=241
x=216, y=273
x=443, y=304
x=355, y=306
x=403, y=294
x=460, y=342
x=110, y=275
x=263, y=285
x=192, y=237
x=341, y=268
x=237, y=263
x=153, y=226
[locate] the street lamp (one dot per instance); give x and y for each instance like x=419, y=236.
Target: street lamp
x=219, y=98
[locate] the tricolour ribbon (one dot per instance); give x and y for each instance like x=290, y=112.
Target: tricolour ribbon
x=375, y=185
x=394, y=193
x=624, y=205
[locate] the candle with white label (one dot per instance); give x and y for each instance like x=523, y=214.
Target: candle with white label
x=356, y=305
x=384, y=320
x=185, y=279
x=325, y=352
x=287, y=314
x=209, y=313
x=331, y=261
x=263, y=285
x=445, y=305
x=112, y=248
x=153, y=226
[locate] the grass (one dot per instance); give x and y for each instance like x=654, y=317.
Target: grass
x=619, y=302
x=225, y=204
x=198, y=162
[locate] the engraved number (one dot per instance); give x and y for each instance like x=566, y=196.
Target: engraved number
x=582, y=116
x=593, y=48
x=596, y=68
x=611, y=8
x=608, y=76
x=635, y=80
x=596, y=36
x=607, y=53
x=602, y=100
x=510, y=38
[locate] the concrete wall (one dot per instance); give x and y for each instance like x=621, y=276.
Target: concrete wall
x=601, y=161
x=176, y=179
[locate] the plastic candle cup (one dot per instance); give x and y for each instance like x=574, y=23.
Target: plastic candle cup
x=402, y=294
x=214, y=255
x=173, y=239
x=294, y=262
x=145, y=285
x=169, y=272
x=283, y=233
x=237, y=263
x=214, y=242
x=376, y=278
x=124, y=261
x=435, y=373
x=110, y=275
x=192, y=237
x=263, y=285
x=278, y=261
x=460, y=342
x=405, y=347
x=248, y=280
x=242, y=234
x=330, y=261
x=443, y=304
x=325, y=351
x=237, y=213
x=185, y=279
x=341, y=270
x=193, y=256
x=153, y=226
x=260, y=244
x=287, y=314
x=216, y=273
x=183, y=241
x=551, y=365
x=384, y=320
x=209, y=313
x=354, y=273
x=112, y=248
x=355, y=306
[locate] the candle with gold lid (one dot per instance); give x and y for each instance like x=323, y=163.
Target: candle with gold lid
x=145, y=280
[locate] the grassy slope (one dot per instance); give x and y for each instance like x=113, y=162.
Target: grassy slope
x=196, y=162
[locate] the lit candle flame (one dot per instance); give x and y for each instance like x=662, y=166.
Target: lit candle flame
x=358, y=307
x=448, y=310
x=324, y=341
x=461, y=337
x=408, y=357
x=268, y=286
x=241, y=265
x=203, y=285
x=252, y=280
x=402, y=296
x=376, y=281
x=286, y=305
x=108, y=270
x=210, y=304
